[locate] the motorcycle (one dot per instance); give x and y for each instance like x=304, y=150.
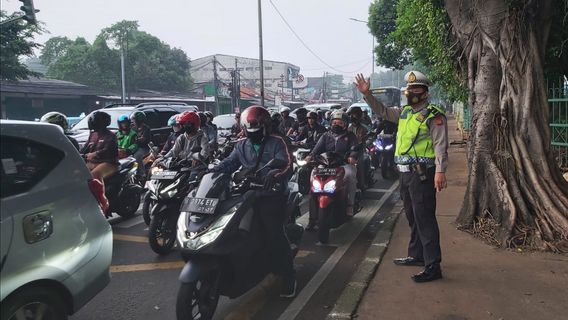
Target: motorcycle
x=122, y=190
x=384, y=150
x=222, y=243
x=329, y=194
x=148, y=201
x=302, y=169
x=168, y=191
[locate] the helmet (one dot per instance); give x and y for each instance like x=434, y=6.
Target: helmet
x=417, y=78
x=123, y=119
x=255, y=121
x=355, y=110
x=328, y=114
x=312, y=115
x=339, y=115
x=138, y=116
x=301, y=111
x=209, y=114
x=202, y=118
x=172, y=121
x=284, y=109
x=98, y=120
x=57, y=118
x=189, y=121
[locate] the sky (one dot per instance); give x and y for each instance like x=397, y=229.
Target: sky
x=202, y=28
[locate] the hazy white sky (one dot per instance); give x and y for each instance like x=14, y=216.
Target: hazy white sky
x=202, y=28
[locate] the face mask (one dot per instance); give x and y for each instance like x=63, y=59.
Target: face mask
x=414, y=98
x=337, y=129
x=355, y=120
x=255, y=137
x=190, y=129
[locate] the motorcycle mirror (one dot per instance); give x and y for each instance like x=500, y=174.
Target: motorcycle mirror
x=210, y=166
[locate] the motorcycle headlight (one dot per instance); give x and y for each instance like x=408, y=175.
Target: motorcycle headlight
x=155, y=170
x=316, y=186
x=388, y=147
x=329, y=187
x=213, y=231
x=301, y=163
x=171, y=190
x=134, y=167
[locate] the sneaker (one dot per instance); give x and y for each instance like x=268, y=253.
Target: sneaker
x=289, y=285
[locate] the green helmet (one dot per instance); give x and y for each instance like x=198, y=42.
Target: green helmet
x=57, y=118
x=138, y=116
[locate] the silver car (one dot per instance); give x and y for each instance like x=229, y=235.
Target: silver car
x=56, y=245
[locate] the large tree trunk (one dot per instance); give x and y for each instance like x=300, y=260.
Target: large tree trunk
x=516, y=195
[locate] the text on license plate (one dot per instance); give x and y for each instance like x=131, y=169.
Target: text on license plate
x=201, y=205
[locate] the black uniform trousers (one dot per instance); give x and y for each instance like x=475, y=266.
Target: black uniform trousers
x=419, y=198
x=270, y=210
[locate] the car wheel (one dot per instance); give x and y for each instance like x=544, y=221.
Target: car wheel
x=34, y=303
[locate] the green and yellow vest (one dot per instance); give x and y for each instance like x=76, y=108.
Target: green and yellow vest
x=414, y=125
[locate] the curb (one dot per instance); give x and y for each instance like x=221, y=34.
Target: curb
x=346, y=306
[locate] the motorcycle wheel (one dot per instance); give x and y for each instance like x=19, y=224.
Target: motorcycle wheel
x=162, y=233
x=196, y=301
x=323, y=225
x=147, y=206
x=129, y=205
x=385, y=168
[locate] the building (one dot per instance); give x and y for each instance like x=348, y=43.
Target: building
x=278, y=76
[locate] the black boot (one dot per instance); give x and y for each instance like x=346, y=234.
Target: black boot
x=408, y=261
x=430, y=273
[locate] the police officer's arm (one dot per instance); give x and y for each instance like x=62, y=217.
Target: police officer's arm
x=364, y=86
x=439, y=133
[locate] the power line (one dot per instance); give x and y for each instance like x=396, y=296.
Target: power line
x=302, y=41
x=341, y=65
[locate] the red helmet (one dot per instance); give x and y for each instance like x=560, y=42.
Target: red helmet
x=189, y=121
x=255, y=118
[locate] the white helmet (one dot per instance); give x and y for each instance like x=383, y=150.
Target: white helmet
x=284, y=109
x=340, y=115
x=417, y=78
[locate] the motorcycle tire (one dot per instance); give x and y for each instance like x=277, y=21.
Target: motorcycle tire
x=385, y=168
x=324, y=225
x=162, y=233
x=195, y=302
x=147, y=206
x=129, y=204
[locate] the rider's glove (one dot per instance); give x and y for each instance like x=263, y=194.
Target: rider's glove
x=270, y=179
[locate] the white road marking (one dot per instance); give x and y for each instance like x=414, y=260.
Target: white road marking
x=357, y=225
x=376, y=190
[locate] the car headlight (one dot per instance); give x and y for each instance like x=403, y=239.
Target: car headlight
x=329, y=187
x=388, y=147
x=316, y=185
x=213, y=231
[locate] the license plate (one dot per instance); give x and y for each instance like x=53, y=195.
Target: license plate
x=200, y=205
x=164, y=175
x=326, y=171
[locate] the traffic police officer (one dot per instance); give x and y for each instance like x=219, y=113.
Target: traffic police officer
x=421, y=156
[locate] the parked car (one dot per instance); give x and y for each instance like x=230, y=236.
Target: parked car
x=56, y=245
x=224, y=123
x=74, y=120
x=318, y=106
x=364, y=106
x=157, y=115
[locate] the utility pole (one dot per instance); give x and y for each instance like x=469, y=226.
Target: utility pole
x=122, y=75
x=324, y=86
x=216, y=84
x=260, y=53
x=237, y=89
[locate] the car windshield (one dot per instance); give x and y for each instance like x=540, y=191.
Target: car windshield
x=224, y=121
x=114, y=115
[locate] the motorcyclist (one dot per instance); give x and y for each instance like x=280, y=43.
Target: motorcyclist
x=361, y=131
x=101, y=149
x=171, y=140
x=287, y=121
x=339, y=140
x=60, y=119
x=327, y=119
x=301, y=121
x=312, y=131
x=126, y=138
x=212, y=134
x=386, y=126
x=236, y=128
x=192, y=137
x=251, y=154
x=143, y=137
x=366, y=120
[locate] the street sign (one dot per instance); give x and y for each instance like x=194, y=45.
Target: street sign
x=300, y=83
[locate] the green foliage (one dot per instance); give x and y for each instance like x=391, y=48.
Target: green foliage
x=16, y=40
x=390, y=51
x=54, y=49
x=556, y=60
x=150, y=63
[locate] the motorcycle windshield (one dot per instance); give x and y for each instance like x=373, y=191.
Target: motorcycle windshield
x=212, y=185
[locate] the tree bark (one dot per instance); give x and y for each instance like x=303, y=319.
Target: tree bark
x=515, y=192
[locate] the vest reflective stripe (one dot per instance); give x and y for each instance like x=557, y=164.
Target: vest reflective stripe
x=409, y=125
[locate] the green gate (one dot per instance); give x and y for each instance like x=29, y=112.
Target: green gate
x=558, y=102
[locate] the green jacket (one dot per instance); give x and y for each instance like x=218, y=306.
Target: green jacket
x=127, y=141
x=414, y=126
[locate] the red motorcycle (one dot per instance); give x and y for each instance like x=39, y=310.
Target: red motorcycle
x=328, y=194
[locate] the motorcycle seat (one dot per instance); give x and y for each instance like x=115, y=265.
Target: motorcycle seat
x=125, y=163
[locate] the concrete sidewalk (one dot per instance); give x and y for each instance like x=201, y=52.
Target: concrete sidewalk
x=480, y=282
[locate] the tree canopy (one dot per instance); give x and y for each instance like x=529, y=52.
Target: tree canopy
x=16, y=40
x=150, y=63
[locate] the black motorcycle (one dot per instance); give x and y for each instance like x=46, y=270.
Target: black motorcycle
x=170, y=186
x=122, y=190
x=384, y=148
x=223, y=243
x=302, y=168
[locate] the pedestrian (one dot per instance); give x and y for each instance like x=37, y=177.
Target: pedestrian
x=421, y=156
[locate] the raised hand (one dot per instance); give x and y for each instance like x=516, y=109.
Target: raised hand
x=362, y=84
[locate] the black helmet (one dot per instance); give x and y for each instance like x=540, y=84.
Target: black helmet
x=312, y=115
x=209, y=114
x=98, y=120
x=301, y=111
x=275, y=118
x=202, y=118
x=138, y=116
x=57, y=118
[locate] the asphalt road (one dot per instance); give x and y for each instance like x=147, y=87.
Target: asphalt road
x=144, y=285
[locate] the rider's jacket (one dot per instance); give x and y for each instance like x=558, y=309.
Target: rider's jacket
x=104, y=144
x=144, y=136
x=210, y=131
x=341, y=143
x=286, y=124
x=246, y=154
x=311, y=134
x=170, y=141
x=127, y=141
x=184, y=144
x=361, y=131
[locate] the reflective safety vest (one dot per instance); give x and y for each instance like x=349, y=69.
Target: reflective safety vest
x=413, y=140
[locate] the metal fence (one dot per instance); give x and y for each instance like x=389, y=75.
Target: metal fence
x=558, y=102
